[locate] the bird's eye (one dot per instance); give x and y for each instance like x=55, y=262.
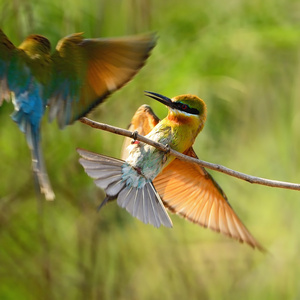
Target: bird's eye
x=184, y=106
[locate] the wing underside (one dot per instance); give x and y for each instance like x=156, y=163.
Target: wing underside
x=86, y=71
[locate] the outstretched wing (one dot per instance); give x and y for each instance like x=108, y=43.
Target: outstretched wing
x=142, y=202
x=143, y=121
x=6, y=52
x=188, y=190
x=86, y=71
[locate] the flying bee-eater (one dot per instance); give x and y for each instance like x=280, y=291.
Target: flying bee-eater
x=78, y=76
x=148, y=180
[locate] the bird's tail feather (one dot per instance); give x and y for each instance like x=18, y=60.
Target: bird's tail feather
x=38, y=165
x=143, y=203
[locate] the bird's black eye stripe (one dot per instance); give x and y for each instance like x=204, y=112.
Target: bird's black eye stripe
x=186, y=108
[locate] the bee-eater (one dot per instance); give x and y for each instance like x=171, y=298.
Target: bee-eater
x=79, y=75
x=149, y=180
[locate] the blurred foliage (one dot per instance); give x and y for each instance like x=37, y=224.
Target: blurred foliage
x=242, y=57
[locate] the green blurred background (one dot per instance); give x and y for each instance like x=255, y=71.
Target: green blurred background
x=242, y=57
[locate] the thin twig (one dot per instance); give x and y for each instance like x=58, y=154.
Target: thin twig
x=215, y=167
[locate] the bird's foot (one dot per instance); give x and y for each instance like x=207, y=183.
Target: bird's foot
x=167, y=148
x=134, y=135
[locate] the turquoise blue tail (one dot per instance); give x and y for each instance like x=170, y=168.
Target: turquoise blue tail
x=29, y=110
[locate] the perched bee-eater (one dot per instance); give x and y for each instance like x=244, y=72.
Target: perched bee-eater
x=79, y=75
x=149, y=180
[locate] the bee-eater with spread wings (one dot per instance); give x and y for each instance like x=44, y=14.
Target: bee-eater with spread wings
x=148, y=180
x=79, y=75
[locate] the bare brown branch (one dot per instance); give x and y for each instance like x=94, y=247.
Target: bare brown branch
x=215, y=167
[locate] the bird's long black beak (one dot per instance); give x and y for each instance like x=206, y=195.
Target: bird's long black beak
x=162, y=99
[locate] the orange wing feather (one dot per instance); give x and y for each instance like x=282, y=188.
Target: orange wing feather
x=143, y=122
x=86, y=71
x=188, y=190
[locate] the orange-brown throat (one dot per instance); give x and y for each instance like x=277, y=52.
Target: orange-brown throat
x=179, y=118
x=193, y=124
